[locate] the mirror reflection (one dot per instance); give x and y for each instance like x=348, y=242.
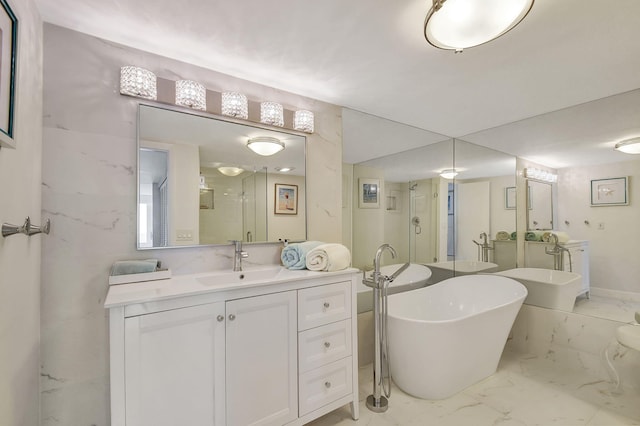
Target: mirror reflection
x=200, y=184
x=540, y=212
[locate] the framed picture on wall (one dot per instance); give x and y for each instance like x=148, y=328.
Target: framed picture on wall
x=206, y=199
x=368, y=193
x=8, y=43
x=609, y=192
x=286, y=199
x=510, y=197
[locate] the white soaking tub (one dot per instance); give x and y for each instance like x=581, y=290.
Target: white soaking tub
x=448, y=336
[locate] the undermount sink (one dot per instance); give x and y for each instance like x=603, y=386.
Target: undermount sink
x=249, y=275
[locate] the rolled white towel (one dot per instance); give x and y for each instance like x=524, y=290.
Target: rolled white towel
x=328, y=257
x=294, y=255
x=563, y=237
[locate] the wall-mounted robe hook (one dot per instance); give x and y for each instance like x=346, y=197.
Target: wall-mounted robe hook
x=26, y=228
x=566, y=222
x=586, y=222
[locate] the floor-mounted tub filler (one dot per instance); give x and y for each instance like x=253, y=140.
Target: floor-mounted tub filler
x=448, y=336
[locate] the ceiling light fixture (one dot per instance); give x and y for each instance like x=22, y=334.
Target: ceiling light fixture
x=272, y=113
x=235, y=104
x=284, y=169
x=139, y=82
x=191, y=94
x=449, y=173
x=230, y=171
x=629, y=146
x=264, y=145
x=461, y=24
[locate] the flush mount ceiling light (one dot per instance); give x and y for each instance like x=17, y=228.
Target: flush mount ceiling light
x=191, y=94
x=230, y=171
x=136, y=81
x=235, y=104
x=303, y=121
x=284, y=169
x=449, y=173
x=272, y=113
x=629, y=146
x=460, y=24
x=265, y=145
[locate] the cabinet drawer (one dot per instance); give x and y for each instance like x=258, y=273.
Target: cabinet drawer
x=325, y=384
x=323, y=304
x=322, y=345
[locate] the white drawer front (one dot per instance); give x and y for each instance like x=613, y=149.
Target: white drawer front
x=323, y=304
x=325, y=384
x=322, y=345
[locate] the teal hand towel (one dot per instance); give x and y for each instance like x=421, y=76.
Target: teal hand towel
x=294, y=256
x=126, y=267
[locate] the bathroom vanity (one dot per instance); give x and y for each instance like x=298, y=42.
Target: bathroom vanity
x=266, y=346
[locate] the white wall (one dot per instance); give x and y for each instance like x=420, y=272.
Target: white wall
x=89, y=181
x=20, y=190
x=614, y=249
x=367, y=223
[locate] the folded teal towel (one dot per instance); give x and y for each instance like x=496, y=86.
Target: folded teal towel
x=294, y=256
x=514, y=235
x=125, y=267
x=533, y=236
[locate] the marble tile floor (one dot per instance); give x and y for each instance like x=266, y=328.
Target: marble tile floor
x=525, y=391
x=607, y=307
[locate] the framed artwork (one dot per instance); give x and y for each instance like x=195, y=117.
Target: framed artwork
x=286, y=199
x=8, y=43
x=206, y=199
x=609, y=192
x=510, y=197
x=368, y=193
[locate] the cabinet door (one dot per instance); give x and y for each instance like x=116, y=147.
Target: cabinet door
x=174, y=362
x=261, y=356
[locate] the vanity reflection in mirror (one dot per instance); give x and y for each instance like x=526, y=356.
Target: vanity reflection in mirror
x=200, y=184
x=540, y=212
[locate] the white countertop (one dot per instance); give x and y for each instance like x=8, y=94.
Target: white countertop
x=209, y=282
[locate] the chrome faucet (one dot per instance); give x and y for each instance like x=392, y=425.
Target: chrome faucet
x=483, y=249
x=239, y=254
x=557, y=251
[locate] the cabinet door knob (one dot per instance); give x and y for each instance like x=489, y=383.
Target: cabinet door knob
x=231, y=317
x=327, y=344
x=327, y=385
x=326, y=305
x=220, y=318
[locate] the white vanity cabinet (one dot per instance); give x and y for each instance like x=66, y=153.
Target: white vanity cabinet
x=273, y=354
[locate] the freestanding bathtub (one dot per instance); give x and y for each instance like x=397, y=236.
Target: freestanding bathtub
x=448, y=336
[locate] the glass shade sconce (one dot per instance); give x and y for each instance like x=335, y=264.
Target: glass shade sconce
x=272, y=113
x=235, y=104
x=191, y=94
x=303, y=121
x=541, y=175
x=139, y=82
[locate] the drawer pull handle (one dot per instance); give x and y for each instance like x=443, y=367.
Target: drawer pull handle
x=327, y=344
x=231, y=317
x=326, y=305
x=220, y=318
x=327, y=385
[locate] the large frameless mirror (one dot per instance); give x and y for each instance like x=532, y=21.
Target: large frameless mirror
x=200, y=184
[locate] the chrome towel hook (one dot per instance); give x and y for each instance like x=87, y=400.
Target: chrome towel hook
x=26, y=228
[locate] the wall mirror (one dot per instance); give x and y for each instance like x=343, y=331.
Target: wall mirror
x=199, y=183
x=428, y=218
x=540, y=211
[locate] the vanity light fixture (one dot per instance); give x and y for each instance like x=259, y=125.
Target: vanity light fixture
x=541, y=175
x=230, y=171
x=139, y=82
x=629, y=146
x=460, y=24
x=235, y=104
x=191, y=94
x=449, y=173
x=303, y=121
x=272, y=113
x=265, y=145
